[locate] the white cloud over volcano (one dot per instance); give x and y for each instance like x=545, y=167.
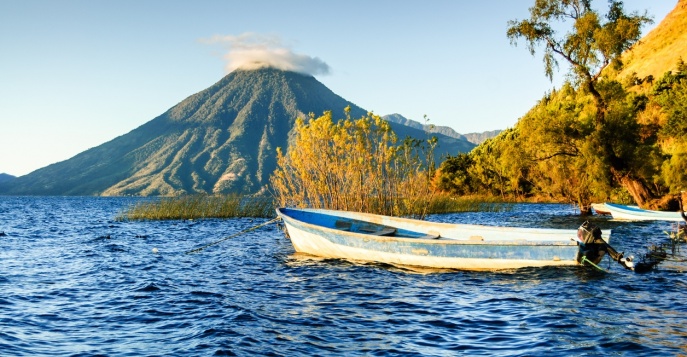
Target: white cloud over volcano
x=252, y=51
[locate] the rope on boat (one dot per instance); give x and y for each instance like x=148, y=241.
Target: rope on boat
x=232, y=236
x=584, y=259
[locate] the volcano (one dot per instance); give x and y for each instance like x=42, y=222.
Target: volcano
x=220, y=140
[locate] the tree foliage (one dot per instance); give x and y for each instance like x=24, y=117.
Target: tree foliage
x=552, y=152
x=453, y=176
x=589, y=42
x=356, y=165
x=598, y=137
x=671, y=95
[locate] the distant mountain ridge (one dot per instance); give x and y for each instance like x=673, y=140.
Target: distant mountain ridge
x=6, y=177
x=478, y=138
x=220, y=140
x=475, y=138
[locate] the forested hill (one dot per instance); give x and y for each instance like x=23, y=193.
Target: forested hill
x=617, y=136
x=222, y=139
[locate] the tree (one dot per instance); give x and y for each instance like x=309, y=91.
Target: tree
x=499, y=166
x=589, y=44
x=554, y=136
x=453, y=175
x=671, y=94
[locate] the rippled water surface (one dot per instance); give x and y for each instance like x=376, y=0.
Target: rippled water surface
x=73, y=281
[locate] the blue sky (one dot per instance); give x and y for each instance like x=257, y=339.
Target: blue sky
x=76, y=74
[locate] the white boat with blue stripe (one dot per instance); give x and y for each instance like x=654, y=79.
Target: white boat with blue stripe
x=410, y=242
x=634, y=213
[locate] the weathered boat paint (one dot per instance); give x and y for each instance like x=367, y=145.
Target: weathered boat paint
x=634, y=213
x=457, y=246
x=600, y=208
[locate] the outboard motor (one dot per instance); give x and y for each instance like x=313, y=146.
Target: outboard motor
x=593, y=247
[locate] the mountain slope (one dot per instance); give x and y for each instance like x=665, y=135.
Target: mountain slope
x=6, y=177
x=222, y=139
x=660, y=50
x=478, y=138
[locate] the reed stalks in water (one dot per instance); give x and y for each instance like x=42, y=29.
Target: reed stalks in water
x=201, y=206
x=235, y=206
x=446, y=203
x=354, y=165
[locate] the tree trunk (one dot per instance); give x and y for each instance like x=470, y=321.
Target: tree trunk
x=600, y=104
x=637, y=189
x=585, y=209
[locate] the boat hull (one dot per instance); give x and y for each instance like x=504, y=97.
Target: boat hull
x=464, y=247
x=633, y=213
x=600, y=208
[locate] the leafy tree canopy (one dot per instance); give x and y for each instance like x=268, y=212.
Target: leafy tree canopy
x=589, y=42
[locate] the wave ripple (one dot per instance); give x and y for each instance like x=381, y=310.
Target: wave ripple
x=75, y=282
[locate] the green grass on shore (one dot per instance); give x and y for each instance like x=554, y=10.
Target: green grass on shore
x=201, y=206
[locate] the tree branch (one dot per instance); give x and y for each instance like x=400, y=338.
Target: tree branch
x=562, y=153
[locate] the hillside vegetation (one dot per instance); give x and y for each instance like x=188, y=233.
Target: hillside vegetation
x=607, y=135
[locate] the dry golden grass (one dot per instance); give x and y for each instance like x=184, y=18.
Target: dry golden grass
x=660, y=50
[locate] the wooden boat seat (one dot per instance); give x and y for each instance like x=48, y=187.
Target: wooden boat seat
x=377, y=230
x=386, y=231
x=343, y=225
x=430, y=235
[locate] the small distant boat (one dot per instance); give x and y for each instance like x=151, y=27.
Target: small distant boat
x=410, y=242
x=634, y=213
x=600, y=208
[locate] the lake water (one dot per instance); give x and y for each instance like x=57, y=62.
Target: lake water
x=75, y=282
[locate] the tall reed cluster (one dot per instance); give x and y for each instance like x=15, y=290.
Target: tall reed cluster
x=356, y=165
x=201, y=206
